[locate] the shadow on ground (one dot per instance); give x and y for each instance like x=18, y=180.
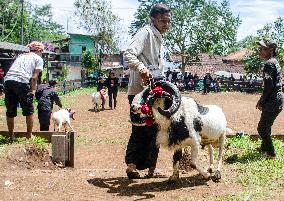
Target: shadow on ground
x=122, y=186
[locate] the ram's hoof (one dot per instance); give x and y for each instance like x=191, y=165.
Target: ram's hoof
x=209, y=170
x=217, y=176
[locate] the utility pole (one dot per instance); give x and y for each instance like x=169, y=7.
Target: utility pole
x=22, y=22
x=67, y=28
x=3, y=25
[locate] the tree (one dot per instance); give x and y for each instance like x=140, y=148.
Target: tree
x=198, y=26
x=97, y=18
x=88, y=60
x=273, y=31
x=38, y=23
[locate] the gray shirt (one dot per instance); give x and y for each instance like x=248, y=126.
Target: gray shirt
x=145, y=49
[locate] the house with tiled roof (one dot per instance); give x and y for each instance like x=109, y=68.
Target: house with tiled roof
x=237, y=57
x=232, y=63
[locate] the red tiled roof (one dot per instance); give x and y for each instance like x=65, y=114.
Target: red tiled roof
x=238, y=55
x=202, y=69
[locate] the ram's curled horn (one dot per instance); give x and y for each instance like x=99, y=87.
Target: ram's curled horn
x=171, y=89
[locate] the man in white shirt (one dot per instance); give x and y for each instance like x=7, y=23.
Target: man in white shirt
x=20, y=85
x=145, y=49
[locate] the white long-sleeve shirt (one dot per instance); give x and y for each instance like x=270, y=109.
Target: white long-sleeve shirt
x=145, y=49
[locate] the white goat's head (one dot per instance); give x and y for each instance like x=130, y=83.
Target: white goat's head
x=71, y=113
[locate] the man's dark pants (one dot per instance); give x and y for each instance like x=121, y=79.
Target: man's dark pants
x=264, y=129
x=141, y=149
x=44, y=119
x=206, y=88
x=112, y=94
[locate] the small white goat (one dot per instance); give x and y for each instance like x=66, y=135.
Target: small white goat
x=182, y=122
x=63, y=117
x=99, y=99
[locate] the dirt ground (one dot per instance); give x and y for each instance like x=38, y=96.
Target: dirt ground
x=99, y=172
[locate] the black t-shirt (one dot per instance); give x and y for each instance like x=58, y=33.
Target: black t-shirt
x=46, y=96
x=112, y=83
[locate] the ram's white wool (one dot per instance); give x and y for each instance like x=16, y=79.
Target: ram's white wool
x=213, y=126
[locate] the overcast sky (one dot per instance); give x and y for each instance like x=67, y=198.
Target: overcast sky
x=253, y=13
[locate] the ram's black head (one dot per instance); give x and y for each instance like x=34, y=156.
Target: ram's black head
x=169, y=94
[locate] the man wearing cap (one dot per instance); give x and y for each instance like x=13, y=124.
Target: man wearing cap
x=46, y=96
x=20, y=85
x=272, y=100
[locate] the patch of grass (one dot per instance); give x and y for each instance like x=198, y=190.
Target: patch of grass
x=2, y=102
x=67, y=101
x=89, y=141
x=39, y=142
x=254, y=169
x=244, y=196
x=83, y=91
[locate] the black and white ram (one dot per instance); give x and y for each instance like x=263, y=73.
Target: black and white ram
x=183, y=122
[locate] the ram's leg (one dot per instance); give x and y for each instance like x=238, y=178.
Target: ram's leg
x=217, y=174
x=193, y=161
x=69, y=124
x=59, y=127
x=176, y=158
x=65, y=127
x=211, y=158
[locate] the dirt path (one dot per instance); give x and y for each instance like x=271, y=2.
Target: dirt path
x=99, y=172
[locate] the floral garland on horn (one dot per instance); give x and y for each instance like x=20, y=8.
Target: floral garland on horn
x=146, y=108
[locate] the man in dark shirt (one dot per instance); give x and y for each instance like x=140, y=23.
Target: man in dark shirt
x=168, y=73
x=112, y=85
x=232, y=78
x=207, y=80
x=174, y=76
x=272, y=100
x=46, y=96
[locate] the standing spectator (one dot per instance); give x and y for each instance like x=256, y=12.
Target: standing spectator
x=145, y=49
x=46, y=96
x=112, y=85
x=272, y=101
x=20, y=85
x=119, y=80
x=215, y=85
x=73, y=86
x=174, y=76
x=189, y=76
x=232, y=78
x=207, y=80
x=64, y=86
x=100, y=83
x=1, y=81
x=168, y=73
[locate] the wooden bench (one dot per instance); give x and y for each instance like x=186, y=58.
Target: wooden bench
x=243, y=86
